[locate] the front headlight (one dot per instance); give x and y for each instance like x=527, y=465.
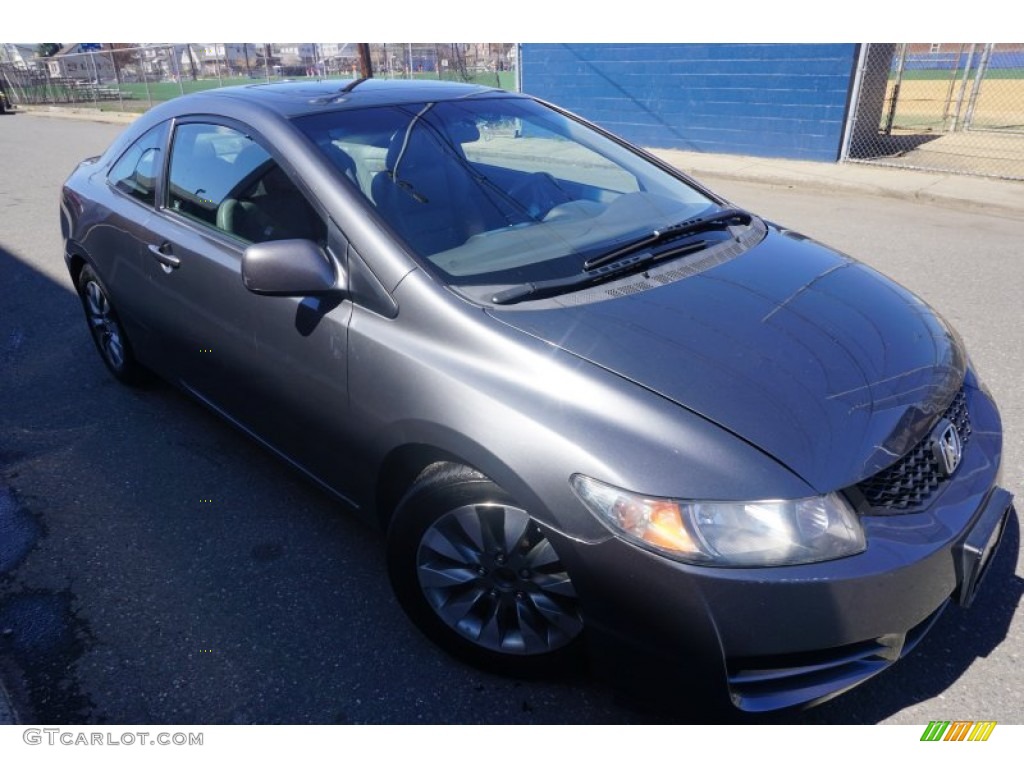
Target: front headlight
x=722, y=533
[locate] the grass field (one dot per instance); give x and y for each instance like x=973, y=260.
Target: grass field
x=138, y=97
x=945, y=74
x=162, y=91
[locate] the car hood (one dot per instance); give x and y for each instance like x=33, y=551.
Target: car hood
x=823, y=363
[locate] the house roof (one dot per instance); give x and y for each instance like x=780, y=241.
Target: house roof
x=74, y=48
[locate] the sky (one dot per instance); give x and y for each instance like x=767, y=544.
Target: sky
x=515, y=21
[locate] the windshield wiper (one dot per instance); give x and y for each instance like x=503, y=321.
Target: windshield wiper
x=629, y=257
x=558, y=285
x=717, y=220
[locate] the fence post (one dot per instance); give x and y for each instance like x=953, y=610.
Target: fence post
x=952, y=83
x=851, y=113
x=117, y=81
x=177, y=70
x=145, y=82
x=216, y=64
x=519, y=67
x=117, y=76
x=896, y=89
x=976, y=90
x=96, y=88
x=963, y=88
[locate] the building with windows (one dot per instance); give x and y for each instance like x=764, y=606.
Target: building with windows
x=81, y=61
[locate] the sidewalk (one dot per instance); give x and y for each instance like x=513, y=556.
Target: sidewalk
x=78, y=113
x=1003, y=198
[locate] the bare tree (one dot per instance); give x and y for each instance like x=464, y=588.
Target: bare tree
x=123, y=54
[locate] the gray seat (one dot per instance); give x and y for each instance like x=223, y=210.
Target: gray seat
x=341, y=160
x=272, y=209
x=427, y=194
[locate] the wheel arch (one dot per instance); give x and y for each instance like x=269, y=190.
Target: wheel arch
x=76, y=259
x=399, y=471
x=404, y=463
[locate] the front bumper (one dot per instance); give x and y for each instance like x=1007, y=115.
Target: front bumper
x=760, y=683
x=768, y=638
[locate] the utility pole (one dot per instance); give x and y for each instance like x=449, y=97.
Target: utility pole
x=365, y=65
x=191, y=60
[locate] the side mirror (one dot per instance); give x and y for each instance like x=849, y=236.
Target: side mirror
x=290, y=268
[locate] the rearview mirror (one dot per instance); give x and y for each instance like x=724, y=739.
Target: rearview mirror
x=290, y=268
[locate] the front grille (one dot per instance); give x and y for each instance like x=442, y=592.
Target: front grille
x=910, y=482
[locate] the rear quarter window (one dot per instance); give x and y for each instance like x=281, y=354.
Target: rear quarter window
x=136, y=171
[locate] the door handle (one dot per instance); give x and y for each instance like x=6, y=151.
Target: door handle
x=162, y=255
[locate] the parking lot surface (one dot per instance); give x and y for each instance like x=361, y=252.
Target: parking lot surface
x=125, y=598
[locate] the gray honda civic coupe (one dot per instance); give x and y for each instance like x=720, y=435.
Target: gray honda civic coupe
x=599, y=411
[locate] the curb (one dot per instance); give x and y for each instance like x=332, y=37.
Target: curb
x=78, y=113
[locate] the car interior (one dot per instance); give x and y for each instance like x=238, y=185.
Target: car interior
x=244, y=193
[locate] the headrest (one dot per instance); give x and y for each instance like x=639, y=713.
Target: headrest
x=424, y=145
x=463, y=132
x=203, y=150
x=277, y=181
x=249, y=159
x=412, y=148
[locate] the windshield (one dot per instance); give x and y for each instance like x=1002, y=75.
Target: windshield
x=499, y=191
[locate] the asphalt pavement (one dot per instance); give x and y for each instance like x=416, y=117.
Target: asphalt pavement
x=6, y=708
x=270, y=607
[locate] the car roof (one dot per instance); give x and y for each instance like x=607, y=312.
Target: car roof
x=262, y=104
x=290, y=99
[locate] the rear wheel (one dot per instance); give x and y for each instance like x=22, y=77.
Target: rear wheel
x=477, y=575
x=106, y=329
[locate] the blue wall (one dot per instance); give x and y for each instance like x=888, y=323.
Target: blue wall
x=766, y=100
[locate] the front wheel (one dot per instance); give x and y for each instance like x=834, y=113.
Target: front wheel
x=106, y=329
x=478, y=576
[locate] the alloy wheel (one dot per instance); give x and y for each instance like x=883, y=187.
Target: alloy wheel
x=104, y=326
x=491, y=575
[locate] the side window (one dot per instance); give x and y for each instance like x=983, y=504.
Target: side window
x=135, y=173
x=221, y=178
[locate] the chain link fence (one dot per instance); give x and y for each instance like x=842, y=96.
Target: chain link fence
x=134, y=78
x=952, y=107
x=491, y=64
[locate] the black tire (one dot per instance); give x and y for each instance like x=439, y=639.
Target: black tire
x=106, y=330
x=477, y=575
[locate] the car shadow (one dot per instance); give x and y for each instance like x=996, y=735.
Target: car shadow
x=171, y=570
x=893, y=145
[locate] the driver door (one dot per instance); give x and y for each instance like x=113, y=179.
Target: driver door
x=257, y=359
